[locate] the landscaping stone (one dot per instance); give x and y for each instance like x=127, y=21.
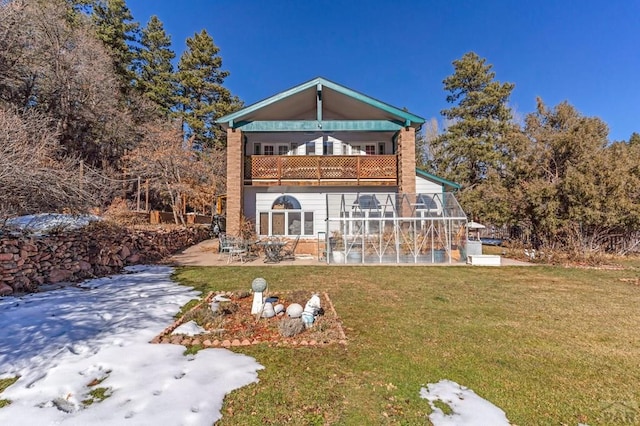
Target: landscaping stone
x=5, y=289
x=28, y=261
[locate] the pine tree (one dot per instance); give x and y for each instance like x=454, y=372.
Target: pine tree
x=202, y=96
x=117, y=30
x=474, y=148
x=479, y=119
x=155, y=77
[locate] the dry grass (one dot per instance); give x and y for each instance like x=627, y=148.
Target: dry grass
x=549, y=345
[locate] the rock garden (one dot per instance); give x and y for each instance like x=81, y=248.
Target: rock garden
x=241, y=318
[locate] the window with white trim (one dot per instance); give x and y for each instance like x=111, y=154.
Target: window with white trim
x=285, y=218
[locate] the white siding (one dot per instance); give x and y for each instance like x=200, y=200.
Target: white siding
x=337, y=145
x=318, y=145
x=425, y=186
x=313, y=199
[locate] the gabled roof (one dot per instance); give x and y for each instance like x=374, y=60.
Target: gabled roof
x=438, y=179
x=338, y=103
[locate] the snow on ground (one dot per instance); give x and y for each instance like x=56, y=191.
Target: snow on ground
x=190, y=328
x=45, y=222
x=468, y=408
x=60, y=341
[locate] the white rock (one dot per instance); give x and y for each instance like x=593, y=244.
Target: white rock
x=294, y=310
x=268, y=311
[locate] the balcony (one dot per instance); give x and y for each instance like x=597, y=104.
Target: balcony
x=317, y=170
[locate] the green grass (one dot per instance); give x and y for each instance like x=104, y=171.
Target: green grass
x=5, y=383
x=548, y=345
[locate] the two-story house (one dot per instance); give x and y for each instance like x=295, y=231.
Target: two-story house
x=321, y=159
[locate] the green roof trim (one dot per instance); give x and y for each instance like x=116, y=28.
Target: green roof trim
x=403, y=116
x=318, y=126
x=438, y=179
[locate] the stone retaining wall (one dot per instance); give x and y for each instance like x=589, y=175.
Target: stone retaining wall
x=100, y=249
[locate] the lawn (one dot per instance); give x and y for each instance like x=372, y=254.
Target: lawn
x=548, y=345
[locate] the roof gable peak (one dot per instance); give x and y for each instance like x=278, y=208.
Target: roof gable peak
x=320, y=83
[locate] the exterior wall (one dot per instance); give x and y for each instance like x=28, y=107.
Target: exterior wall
x=407, y=160
x=311, y=199
x=425, y=186
x=235, y=174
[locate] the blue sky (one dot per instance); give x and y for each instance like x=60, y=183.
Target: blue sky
x=586, y=52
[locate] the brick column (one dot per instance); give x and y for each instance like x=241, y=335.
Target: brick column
x=407, y=161
x=235, y=180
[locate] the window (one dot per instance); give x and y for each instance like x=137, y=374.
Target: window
x=327, y=148
x=256, y=149
x=294, y=148
x=356, y=150
x=311, y=148
x=286, y=217
x=286, y=202
x=268, y=150
x=425, y=202
x=283, y=149
x=370, y=149
x=427, y=206
x=381, y=148
x=367, y=202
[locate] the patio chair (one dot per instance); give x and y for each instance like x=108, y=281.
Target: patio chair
x=289, y=251
x=225, y=242
x=237, y=250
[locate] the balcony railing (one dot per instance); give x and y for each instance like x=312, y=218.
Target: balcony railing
x=322, y=170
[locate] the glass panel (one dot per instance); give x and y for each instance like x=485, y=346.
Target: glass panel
x=381, y=148
x=308, y=223
x=370, y=149
x=264, y=223
x=293, y=223
x=327, y=148
x=283, y=149
x=277, y=223
x=286, y=202
x=268, y=150
x=256, y=149
x=311, y=148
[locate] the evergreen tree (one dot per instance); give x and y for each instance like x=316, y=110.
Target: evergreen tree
x=568, y=188
x=474, y=148
x=117, y=30
x=155, y=78
x=202, y=97
x=634, y=139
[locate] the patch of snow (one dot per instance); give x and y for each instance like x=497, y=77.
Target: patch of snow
x=190, y=328
x=46, y=222
x=468, y=408
x=64, y=343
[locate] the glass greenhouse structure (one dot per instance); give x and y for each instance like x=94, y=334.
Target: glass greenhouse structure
x=368, y=228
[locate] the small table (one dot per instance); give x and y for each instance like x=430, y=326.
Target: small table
x=272, y=251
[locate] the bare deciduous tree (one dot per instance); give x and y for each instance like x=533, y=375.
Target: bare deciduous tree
x=176, y=171
x=31, y=179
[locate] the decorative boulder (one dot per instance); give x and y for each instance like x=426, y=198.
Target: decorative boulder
x=268, y=311
x=294, y=310
x=278, y=308
x=259, y=285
